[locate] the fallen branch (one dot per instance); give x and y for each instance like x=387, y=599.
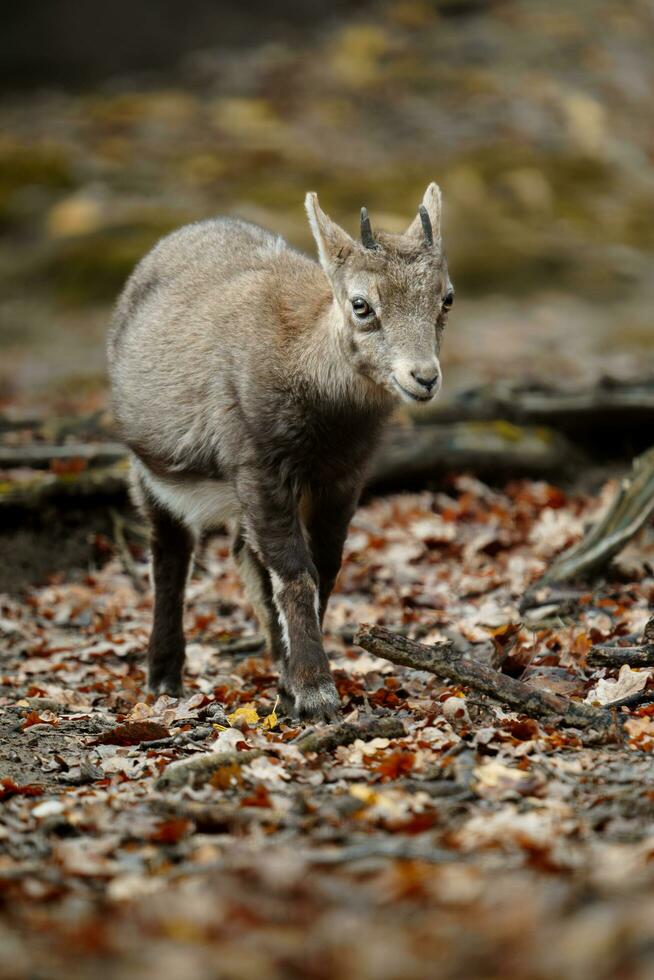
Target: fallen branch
x=441, y=661
x=585, y=415
x=609, y=655
x=200, y=768
x=488, y=448
x=39, y=488
x=348, y=732
x=39, y=456
x=631, y=508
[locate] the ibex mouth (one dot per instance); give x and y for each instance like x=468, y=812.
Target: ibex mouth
x=413, y=395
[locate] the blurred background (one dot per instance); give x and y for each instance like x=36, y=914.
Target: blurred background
x=121, y=121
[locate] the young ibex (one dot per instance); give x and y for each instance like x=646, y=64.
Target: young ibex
x=250, y=385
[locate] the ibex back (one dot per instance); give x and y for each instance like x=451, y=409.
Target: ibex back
x=251, y=385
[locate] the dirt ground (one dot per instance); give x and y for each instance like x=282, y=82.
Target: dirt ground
x=469, y=842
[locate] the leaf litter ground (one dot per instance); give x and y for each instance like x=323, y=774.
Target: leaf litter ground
x=480, y=843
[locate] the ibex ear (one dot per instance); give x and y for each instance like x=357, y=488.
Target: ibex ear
x=334, y=244
x=426, y=226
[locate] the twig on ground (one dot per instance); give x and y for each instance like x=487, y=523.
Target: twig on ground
x=200, y=768
x=124, y=553
x=440, y=660
x=349, y=732
x=242, y=646
x=610, y=655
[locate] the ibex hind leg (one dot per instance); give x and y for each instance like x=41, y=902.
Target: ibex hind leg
x=172, y=547
x=256, y=581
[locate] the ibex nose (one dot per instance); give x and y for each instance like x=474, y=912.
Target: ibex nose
x=426, y=378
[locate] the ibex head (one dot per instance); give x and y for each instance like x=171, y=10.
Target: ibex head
x=394, y=294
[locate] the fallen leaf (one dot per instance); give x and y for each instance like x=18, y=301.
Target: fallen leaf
x=44, y=718
x=395, y=764
x=9, y=788
x=171, y=831
x=247, y=713
x=132, y=733
x=271, y=720
x=628, y=682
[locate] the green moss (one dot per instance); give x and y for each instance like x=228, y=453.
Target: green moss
x=78, y=385
x=92, y=268
x=23, y=166
x=638, y=225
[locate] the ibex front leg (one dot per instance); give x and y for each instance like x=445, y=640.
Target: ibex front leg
x=273, y=529
x=332, y=508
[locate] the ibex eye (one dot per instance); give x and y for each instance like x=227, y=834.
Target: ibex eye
x=448, y=299
x=361, y=308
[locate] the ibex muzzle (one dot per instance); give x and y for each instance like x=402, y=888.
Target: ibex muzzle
x=251, y=385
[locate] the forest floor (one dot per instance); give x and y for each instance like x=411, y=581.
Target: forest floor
x=467, y=841
x=471, y=842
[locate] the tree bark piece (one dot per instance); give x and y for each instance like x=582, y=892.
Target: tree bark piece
x=347, y=733
x=629, y=511
x=441, y=661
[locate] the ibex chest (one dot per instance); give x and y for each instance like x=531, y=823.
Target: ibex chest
x=318, y=444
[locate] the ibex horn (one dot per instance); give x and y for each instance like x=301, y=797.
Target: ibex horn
x=426, y=224
x=367, y=237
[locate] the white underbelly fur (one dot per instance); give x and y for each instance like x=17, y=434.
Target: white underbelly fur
x=200, y=504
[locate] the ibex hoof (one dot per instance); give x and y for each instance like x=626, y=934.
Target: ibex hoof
x=318, y=702
x=166, y=685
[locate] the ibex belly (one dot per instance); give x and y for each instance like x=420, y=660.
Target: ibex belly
x=201, y=504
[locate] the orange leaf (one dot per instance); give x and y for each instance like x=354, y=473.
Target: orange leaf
x=259, y=797
x=396, y=764
x=75, y=464
x=9, y=788
x=171, y=831
x=227, y=777
x=132, y=733
x=34, y=718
